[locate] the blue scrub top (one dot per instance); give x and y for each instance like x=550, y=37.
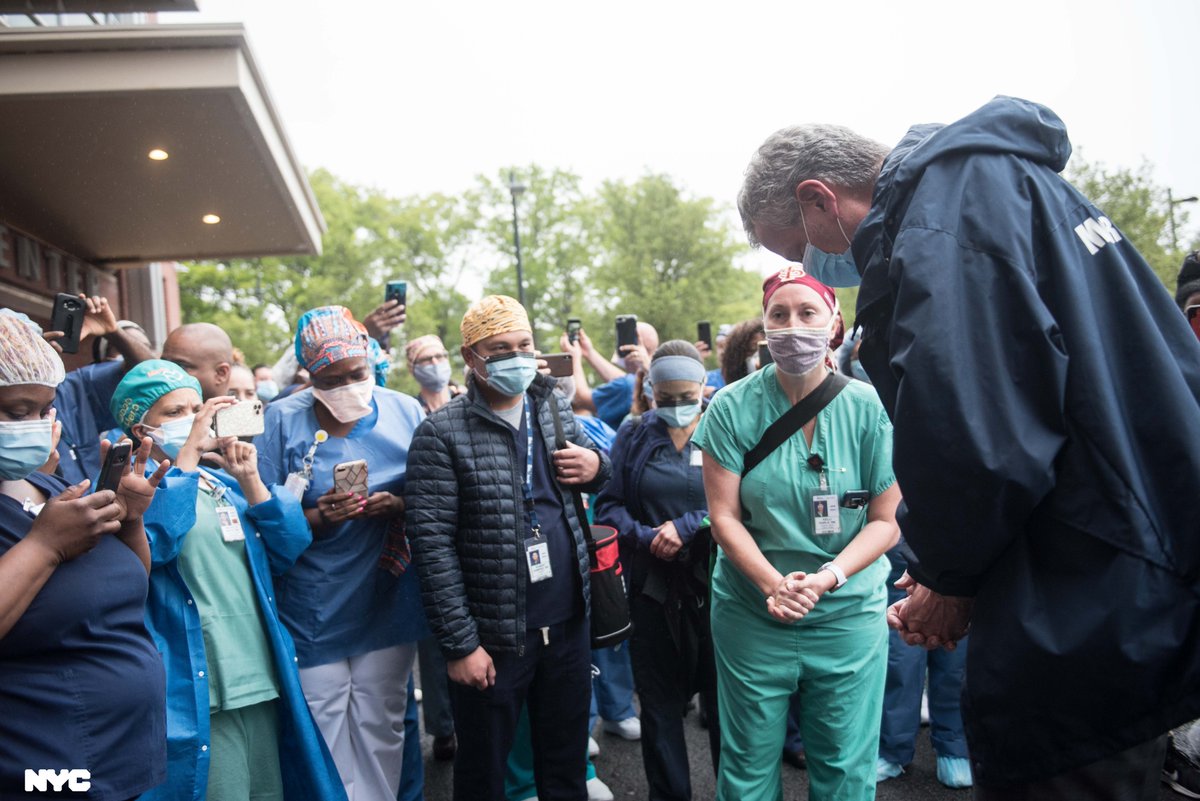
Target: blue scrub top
x=82, y=403
x=81, y=684
x=335, y=599
x=614, y=399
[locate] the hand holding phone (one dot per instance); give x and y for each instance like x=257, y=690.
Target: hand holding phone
x=704, y=333
x=627, y=333
x=67, y=317
x=244, y=419
x=573, y=326
x=351, y=477
x=116, y=465
x=561, y=364
x=396, y=290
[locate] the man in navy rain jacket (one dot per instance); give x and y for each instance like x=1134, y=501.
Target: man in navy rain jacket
x=1046, y=399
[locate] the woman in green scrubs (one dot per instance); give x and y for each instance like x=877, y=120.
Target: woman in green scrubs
x=798, y=593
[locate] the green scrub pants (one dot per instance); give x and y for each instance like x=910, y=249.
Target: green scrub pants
x=839, y=666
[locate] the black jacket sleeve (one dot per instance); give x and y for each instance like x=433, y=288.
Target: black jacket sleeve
x=431, y=520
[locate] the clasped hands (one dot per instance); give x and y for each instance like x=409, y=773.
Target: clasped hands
x=928, y=619
x=797, y=594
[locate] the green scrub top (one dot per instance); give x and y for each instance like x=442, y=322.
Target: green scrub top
x=853, y=436
x=240, y=669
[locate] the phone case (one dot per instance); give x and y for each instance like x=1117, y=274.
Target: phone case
x=115, y=465
x=67, y=316
x=243, y=419
x=351, y=477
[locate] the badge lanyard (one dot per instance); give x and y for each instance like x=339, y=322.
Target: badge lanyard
x=537, y=550
x=823, y=503
x=298, y=482
x=227, y=514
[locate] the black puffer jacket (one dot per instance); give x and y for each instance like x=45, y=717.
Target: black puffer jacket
x=465, y=518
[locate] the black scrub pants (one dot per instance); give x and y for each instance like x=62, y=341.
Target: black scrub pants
x=555, y=678
x=666, y=674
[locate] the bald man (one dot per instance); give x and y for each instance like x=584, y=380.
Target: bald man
x=206, y=352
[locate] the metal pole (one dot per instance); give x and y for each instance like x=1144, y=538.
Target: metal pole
x=517, y=241
x=1171, y=215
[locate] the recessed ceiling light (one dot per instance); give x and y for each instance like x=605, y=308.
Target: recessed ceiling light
x=210, y=219
x=158, y=154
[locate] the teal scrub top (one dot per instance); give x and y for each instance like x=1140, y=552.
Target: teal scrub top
x=853, y=436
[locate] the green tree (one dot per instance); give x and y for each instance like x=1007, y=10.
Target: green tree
x=668, y=257
x=559, y=246
x=1138, y=206
x=371, y=238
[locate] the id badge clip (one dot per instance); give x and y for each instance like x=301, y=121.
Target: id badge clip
x=537, y=557
x=231, y=524
x=825, y=510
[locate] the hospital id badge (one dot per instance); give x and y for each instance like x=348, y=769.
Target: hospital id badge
x=296, y=484
x=231, y=525
x=826, y=515
x=697, y=457
x=537, y=557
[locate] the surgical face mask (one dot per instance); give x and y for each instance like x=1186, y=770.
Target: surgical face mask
x=798, y=350
x=24, y=447
x=432, y=377
x=678, y=414
x=348, y=402
x=171, y=436
x=834, y=269
x=266, y=390
x=511, y=373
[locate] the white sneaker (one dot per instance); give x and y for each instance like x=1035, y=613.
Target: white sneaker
x=627, y=729
x=598, y=790
x=593, y=748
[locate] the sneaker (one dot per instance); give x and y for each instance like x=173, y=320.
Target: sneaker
x=885, y=770
x=1181, y=774
x=627, y=729
x=954, y=772
x=598, y=790
x=593, y=748
x=444, y=748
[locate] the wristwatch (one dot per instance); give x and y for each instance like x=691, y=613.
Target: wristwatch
x=838, y=574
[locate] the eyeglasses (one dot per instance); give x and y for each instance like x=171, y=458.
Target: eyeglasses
x=431, y=358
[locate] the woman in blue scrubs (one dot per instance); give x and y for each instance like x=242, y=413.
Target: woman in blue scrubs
x=81, y=685
x=350, y=600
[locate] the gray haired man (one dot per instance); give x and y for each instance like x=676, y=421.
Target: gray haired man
x=1045, y=393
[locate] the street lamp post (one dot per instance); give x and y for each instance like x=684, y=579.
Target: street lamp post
x=1171, y=204
x=515, y=189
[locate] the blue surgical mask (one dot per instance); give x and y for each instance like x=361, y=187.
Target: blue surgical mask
x=511, y=373
x=171, y=435
x=24, y=447
x=834, y=269
x=433, y=377
x=266, y=390
x=680, y=414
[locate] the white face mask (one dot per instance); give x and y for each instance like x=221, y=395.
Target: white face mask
x=348, y=402
x=798, y=350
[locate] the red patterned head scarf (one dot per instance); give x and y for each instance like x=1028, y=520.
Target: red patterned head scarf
x=795, y=274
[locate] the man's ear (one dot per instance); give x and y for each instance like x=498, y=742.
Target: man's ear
x=468, y=356
x=816, y=195
x=222, y=372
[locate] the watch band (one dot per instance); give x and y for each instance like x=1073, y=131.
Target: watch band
x=838, y=574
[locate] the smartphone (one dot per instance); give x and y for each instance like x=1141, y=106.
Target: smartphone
x=764, y=355
x=396, y=290
x=856, y=499
x=626, y=331
x=116, y=464
x=244, y=419
x=68, y=317
x=704, y=333
x=351, y=477
x=561, y=364
x=573, y=326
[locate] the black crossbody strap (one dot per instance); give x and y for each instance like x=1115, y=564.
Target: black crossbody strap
x=794, y=419
x=560, y=441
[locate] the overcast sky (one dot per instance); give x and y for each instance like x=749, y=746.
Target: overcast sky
x=416, y=96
